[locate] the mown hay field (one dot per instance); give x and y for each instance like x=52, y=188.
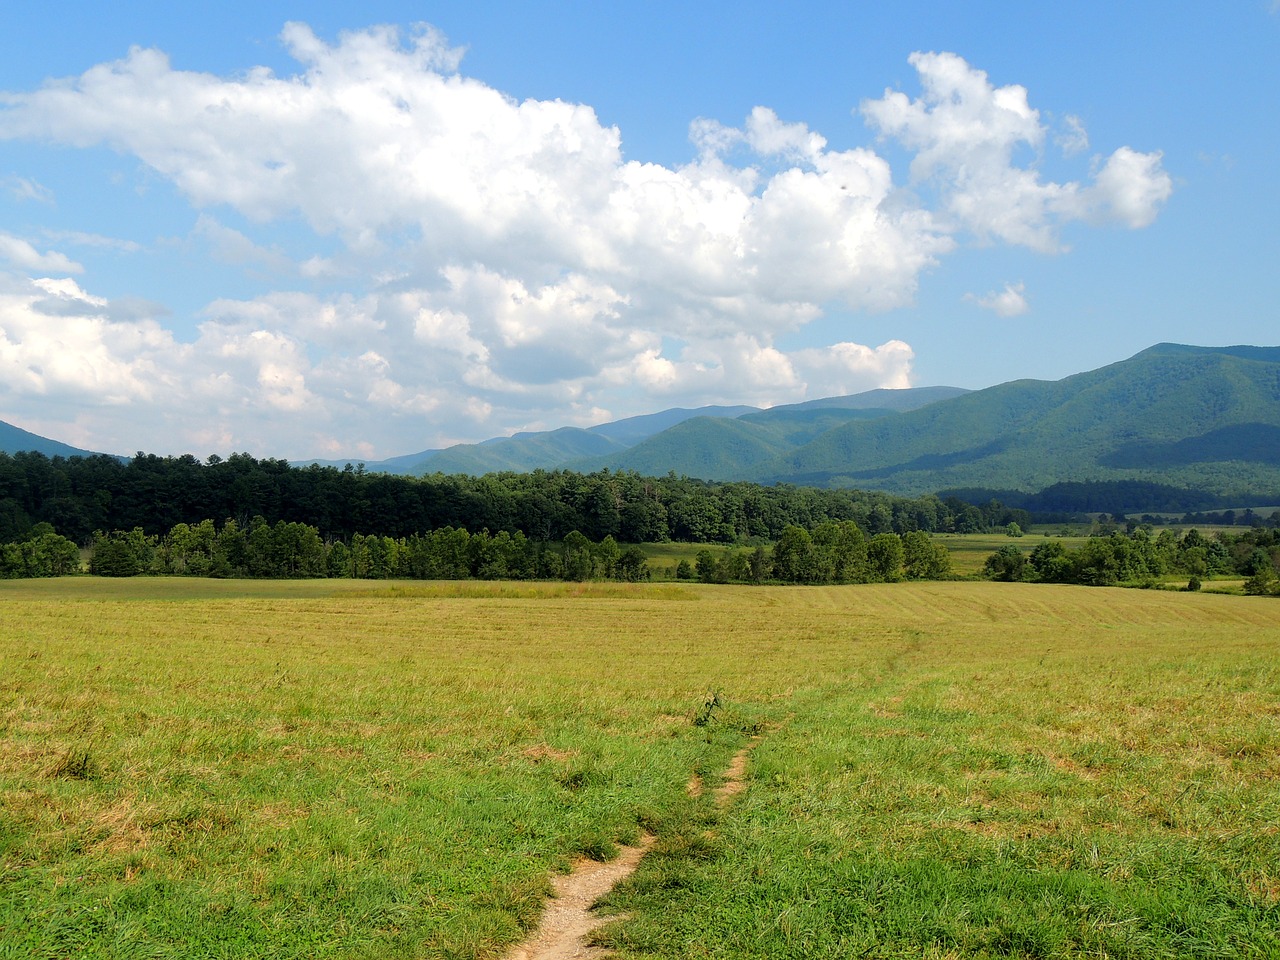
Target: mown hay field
x=353, y=769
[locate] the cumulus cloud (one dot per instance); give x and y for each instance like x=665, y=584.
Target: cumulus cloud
x=1009, y=302
x=56, y=342
x=491, y=263
x=967, y=135
x=1129, y=189
x=845, y=368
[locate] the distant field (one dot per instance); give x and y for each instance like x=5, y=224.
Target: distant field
x=196, y=768
x=663, y=557
x=969, y=551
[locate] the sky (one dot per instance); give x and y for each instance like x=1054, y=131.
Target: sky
x=360, y=231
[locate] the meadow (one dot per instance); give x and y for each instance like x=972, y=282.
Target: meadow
x=969, y=551
x=197, y=768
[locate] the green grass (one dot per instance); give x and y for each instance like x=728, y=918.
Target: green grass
x=347, y=769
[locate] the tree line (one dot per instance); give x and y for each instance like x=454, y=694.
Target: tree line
x=81, y=495
x=1072, y=500
x=287, y=550
x=836, y=552
x=1139, y=559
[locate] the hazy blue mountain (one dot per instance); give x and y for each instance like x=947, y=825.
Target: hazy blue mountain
x=897, y=401
x=632, y=430
x=605, y=444
x=520, y=453
x=16, y=440
x=538, y=450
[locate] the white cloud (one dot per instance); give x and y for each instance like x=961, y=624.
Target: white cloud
x=500, y=263
x=1009, y=302
x=231, y=246
x=373, y=140
x=846, y=368
x=82, y=239
x=1073, y=138
x=57, y=343
x=23, y=189
x=1130, y=189
x=21, y=254
x=967, y=133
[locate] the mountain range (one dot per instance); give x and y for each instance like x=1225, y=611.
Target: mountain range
x=1203, y=418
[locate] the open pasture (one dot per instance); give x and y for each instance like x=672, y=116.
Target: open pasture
x=356, y=769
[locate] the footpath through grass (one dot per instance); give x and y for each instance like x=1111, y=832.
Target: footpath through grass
x=389, y=770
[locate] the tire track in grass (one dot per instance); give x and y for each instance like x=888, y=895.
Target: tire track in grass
x=569, y=918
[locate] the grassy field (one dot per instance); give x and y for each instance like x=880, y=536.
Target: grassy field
x=969, y=551
x=199, y=768
x=663, y=557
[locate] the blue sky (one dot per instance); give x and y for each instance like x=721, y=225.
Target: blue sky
x=332, y=230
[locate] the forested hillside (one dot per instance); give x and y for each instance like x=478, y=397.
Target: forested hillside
x=1191, y=417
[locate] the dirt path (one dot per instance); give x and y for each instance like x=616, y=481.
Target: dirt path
x=568, y=918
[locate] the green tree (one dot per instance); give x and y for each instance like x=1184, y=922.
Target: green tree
x=605, y=555
x=122, y=553
x=884, y=557
x=1050, y=562
x=1008, y=564
x=632, y=565
x=922, y=558
x=1264, y=583
x=707, y=568
x=44, y=554
x=793, y=556
x=576, y=551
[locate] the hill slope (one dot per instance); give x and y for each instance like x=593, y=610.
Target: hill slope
x=557, y=448
x=714, y=442
x=16, y=440
x=730, y=449
x=1192, y=416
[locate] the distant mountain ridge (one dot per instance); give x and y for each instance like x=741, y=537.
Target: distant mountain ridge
x=1187, y=417
x=1198, y=417
x=15, y=440
x=658, y=442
